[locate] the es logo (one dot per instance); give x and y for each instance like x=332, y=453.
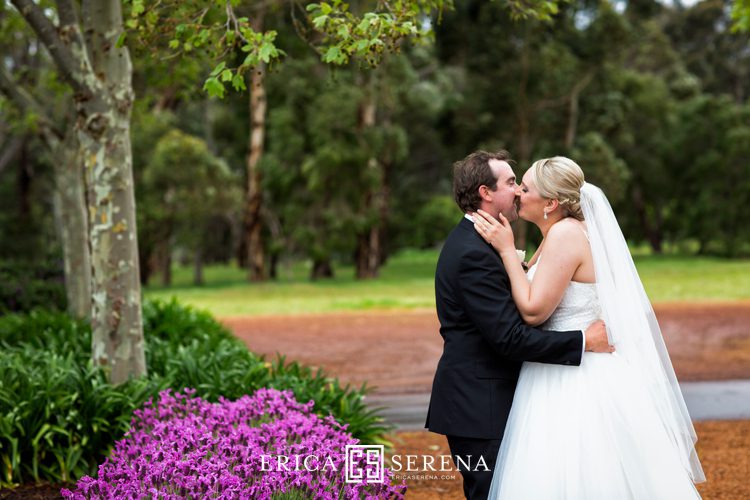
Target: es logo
x=364, y=462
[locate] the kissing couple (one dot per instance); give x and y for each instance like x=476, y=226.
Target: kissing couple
x=557, y=403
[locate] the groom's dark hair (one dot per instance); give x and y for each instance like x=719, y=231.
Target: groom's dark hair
x=472, y=172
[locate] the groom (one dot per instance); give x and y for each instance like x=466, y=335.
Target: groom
x=485, y=339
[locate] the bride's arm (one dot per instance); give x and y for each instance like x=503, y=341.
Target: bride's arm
x=536, y=300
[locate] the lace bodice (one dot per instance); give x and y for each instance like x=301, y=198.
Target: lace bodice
x=578, y=308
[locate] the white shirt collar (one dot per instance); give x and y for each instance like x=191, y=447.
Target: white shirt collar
x=469, y=217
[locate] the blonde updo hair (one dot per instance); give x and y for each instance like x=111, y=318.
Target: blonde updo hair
x=560, y=178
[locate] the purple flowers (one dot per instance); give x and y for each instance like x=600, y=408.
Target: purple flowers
x=259, y=446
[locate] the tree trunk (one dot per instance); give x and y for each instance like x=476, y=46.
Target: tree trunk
x=273, y=271
x=522, y=107
x=362, y=256
x=277, y=235
x=68, y=200
x=321, y=269
x=198, y=266
x=10, y=152
x=575, y=94
x=254, y=201
x=369, y=247
x=100, y=75
x=72, y=224
x=164, y=260
x=23, y=179
x=104, y=134
x=520, y=228
x=653, y=234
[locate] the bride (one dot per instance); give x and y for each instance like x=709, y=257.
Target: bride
x=617, y=426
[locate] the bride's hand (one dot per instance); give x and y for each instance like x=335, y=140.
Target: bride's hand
x=498, y=233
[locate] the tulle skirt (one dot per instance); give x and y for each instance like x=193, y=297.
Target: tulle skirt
x=587, y=433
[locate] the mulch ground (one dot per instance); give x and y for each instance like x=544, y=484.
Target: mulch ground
x=32, y=492
x=723, y=447
x=397, y=352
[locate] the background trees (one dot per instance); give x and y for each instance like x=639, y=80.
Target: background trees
x=336, y=148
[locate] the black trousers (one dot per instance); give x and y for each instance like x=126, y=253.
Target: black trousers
x=477, y=480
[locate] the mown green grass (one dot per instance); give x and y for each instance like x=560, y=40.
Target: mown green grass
x=406, y=282
x=679, y=278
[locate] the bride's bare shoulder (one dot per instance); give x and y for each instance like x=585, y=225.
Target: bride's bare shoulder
x=566, y=232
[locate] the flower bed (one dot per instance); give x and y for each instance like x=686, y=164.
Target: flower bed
x=59, y=416
x=183, y=446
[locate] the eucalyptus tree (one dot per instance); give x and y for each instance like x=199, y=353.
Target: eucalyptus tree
x=82, y=43
x=34, y=92
x=717, y=55
x=338, y=31
x=184, y=185
x=337, y=161
x=711, y=146
x=525, y=83
x=229, y=28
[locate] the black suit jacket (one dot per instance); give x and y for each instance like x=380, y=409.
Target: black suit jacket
x=485, y=340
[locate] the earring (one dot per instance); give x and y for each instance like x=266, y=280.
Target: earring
x=545, y=215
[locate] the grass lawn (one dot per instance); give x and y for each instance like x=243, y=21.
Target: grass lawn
x=407, y=282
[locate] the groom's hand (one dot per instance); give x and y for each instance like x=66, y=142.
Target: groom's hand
x=596, y=338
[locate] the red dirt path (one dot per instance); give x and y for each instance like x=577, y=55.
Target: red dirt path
x=722, y=447
x=397, y=351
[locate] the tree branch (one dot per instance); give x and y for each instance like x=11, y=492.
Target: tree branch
x=11, y=150
x=101, y=22
x=48, y=34
x=25, y=101
x=67, y=13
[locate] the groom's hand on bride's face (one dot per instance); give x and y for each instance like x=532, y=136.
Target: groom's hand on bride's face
x=596, y=338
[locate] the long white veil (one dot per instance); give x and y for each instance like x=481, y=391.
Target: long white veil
x=632, y=324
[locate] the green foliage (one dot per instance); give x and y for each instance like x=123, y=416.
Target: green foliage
x=741, y=15
x=603, y=167
x=183, y=28
x=434, y=221
x=182, y=188
x=626, y=94
x=712, y=144
x=59, y=416
x=25, y=285
x=186, y=180
x=714, y=54
x=370, y=35
x=338, y=32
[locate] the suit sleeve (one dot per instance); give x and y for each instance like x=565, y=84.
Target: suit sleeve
x=489, y=305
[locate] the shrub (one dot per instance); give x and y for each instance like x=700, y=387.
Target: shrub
x=24, y=286
x=434, y=221
x=186, y=447
x=58, y=417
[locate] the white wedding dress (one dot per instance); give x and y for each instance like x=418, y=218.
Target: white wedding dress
x=589, y=432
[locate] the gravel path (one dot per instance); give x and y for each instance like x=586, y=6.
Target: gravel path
x=397, y=352
x=720, y=400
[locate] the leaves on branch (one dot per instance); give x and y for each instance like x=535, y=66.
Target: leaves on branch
x=184, y=26
x=741, y=16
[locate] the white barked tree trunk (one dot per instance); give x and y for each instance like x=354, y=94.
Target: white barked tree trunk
x=100, y=75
